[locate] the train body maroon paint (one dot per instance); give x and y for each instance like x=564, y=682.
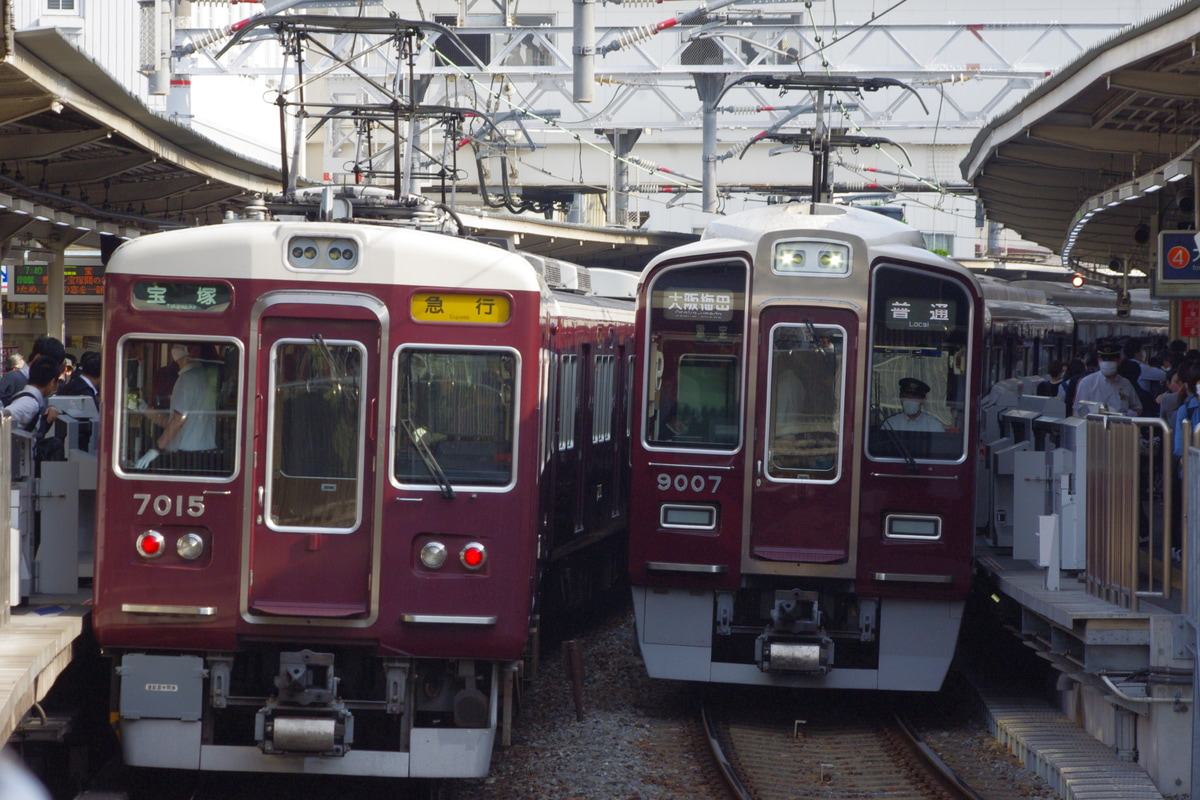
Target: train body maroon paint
x=793, y=522
x=332, y=565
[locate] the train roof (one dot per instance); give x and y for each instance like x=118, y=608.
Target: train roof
x=745, y=231
x=388, y=256
x=846, y=220
x=1089, y=296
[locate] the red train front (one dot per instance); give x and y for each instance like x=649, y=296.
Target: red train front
x=326, y=471
x=803, y=469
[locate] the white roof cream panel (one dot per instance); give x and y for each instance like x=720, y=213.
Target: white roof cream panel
x=257, y=250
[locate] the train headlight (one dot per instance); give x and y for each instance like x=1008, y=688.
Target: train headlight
x=150, y=544
x=302, y=252
x=343, y=253
x=433, y=555
x=190, y=546
x=473, y=556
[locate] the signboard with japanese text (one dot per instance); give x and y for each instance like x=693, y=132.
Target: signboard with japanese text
x=709, y=306
x=490, y=309
x=78, y=281
x=1178, y=271
x=905, y=314
x=176, y=296
x=1189, y=317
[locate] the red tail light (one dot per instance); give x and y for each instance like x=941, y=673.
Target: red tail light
x=473, y=556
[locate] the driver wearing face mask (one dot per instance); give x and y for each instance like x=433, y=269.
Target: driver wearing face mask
x=912, y=416
x=1106, y=387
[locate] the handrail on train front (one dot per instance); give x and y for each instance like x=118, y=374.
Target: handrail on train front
x=1120, y=460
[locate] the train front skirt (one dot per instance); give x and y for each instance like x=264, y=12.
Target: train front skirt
x=677, y=629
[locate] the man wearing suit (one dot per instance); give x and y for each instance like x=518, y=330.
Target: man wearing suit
x=85, y=381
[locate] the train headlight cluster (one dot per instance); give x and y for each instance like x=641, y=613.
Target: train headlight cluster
x=433, y=555
x=811, y=257
x=152, y=544
x=305, y=252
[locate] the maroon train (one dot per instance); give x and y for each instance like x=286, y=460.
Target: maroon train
x=803, y=461
x=341, y=461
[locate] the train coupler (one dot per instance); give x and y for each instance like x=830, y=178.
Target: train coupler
x=794, y=641
x=305, y=715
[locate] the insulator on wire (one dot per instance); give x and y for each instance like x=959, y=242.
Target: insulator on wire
x=638, y=34
x=642, y=162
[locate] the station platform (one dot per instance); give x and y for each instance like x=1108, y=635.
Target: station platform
x=36, y=645
x=1110, y=738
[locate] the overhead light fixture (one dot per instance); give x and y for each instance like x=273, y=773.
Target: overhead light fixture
x=1151, y=182
x=1112, y=199
x=1177, y=171
x=1128, y=191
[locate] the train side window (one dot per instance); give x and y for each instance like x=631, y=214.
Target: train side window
x=920, y=325
x=694, y=365
x=179, y=411
x=461, y=405
x=805, y=385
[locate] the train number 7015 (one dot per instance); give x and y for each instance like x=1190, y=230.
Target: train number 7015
x=683, y=483
x=164, y=504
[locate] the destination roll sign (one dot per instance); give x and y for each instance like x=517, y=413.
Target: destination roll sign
x=904, y=314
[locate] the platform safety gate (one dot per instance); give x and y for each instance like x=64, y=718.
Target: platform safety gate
x=1129, y=469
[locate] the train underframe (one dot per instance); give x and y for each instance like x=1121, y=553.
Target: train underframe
x=785, y=632
x=330, y=711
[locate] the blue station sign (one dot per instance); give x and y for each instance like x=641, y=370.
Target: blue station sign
x=1178, y=272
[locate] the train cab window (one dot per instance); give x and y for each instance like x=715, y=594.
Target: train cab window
x=805, y=387
x=920, y=325
x=455, y=416
x=316, y=418
x=693, y=386
x=179, y=415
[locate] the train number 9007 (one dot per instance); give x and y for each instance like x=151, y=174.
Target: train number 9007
x=686, y=483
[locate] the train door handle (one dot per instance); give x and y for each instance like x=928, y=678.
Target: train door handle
x=261, y=491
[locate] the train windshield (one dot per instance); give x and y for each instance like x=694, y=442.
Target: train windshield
x=316, y=435
x=918, y=405
x=693, y=389
x=179, y=416
x=807, y=378
x=455, y=416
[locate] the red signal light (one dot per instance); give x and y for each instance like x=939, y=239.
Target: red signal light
x=150, y=544
x=473, y=556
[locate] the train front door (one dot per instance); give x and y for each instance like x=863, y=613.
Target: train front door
x=313, y=545
x=802, y=476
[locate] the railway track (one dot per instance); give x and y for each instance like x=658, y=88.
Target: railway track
x=831, y=751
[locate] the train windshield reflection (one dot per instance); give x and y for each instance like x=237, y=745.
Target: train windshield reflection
x=460, y=405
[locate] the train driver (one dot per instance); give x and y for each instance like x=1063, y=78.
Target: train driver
x=190, y=424
x=912, y=417
x=1107, y=387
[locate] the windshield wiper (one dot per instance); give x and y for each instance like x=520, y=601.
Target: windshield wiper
x=427, y=456
x=894, y=438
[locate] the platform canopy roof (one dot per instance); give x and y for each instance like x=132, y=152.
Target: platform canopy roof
x=1096, y=159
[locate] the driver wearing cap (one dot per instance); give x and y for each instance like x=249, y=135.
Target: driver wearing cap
x=912, y=417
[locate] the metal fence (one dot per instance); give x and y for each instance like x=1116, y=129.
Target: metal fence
x=1129, y=503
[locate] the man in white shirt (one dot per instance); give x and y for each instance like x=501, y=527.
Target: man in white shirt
x=1106, y=387
x=912, y=416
